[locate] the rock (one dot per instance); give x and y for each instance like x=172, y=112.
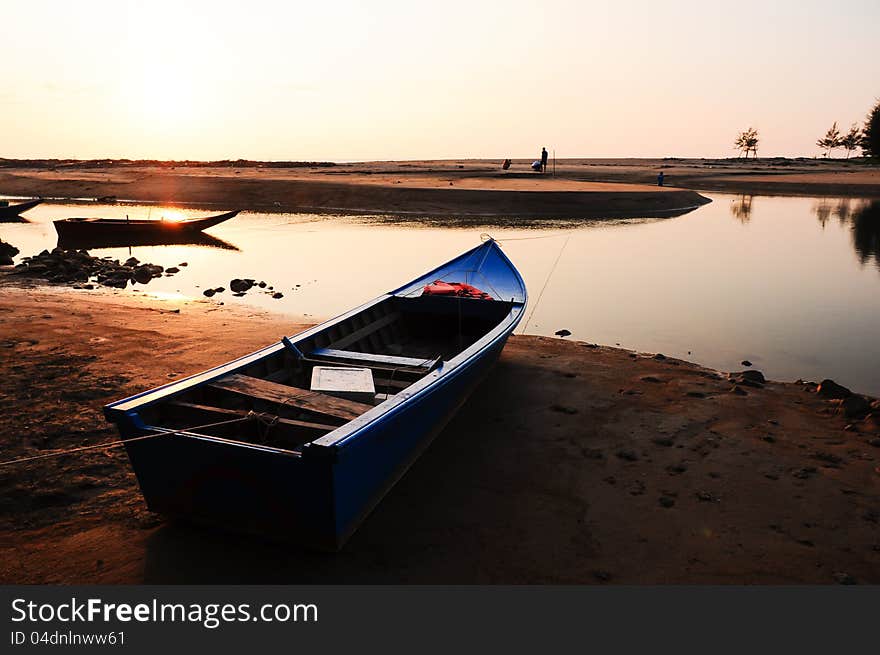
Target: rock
x=183, y=264
x=628, y=455
x=830, y=389
x=874, y=442
x=208, y=292
x=277, y=295
x=219, y=289
x=240, y=286
x=844, y=578
x=262, y=284
x=562, y=333
x=171, y=270
x=855, y=406
x=142, y=275
x=659, y=356
x=663, y=441
x=745, y=362
x=6, y=260
x=651, y=378
x=666, y=501
x=563, y=409
x=7, y=249
x=131, y=262
x=753, y=376
x=738, y=390
x=749, y=378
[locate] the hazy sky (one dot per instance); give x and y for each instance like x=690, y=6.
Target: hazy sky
x=370, y=79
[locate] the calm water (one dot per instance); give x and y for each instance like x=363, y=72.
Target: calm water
x=791, y=284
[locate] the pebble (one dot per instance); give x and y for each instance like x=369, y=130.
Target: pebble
x=628, y=455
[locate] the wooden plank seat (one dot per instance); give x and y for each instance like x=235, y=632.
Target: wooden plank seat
x=312, y=401
x=413, y=364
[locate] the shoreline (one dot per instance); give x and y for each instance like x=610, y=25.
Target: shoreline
x=408, y=195
x=753, y=486
x=467, y=189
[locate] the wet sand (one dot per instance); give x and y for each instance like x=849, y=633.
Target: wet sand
x=584, y=188
x=571, y=464
x=371, y=188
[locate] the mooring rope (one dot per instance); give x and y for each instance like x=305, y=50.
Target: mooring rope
x=543, y=288
x=119, y=442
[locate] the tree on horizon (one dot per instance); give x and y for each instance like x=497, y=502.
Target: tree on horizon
x=870, y=142
x=747, y=142
x=852, y=139
x=831, y=140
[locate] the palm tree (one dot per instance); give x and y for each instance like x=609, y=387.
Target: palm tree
x=852, y=140
x=831, y=140
x=747, y=142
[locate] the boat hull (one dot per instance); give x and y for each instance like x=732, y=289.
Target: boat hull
x=76, y=230
x=12, y=211
x=317, y=499
x=319, y=492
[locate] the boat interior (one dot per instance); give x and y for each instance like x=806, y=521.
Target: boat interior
x=270, y=401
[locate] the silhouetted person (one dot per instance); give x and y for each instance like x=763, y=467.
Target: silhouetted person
x=543, y=160
x=660, y=177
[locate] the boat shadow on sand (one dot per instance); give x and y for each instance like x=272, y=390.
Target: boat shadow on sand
x=185, y=239
x=433, y=524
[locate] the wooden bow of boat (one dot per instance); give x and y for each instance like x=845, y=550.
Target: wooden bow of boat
x=251, y=446
x=11, y=211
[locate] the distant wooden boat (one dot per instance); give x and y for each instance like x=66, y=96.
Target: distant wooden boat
x=85, y=228
x=256, y=445
x=11, y=211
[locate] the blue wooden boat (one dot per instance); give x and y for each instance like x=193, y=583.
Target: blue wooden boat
x=249, y=446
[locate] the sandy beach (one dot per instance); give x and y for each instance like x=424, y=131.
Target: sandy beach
x=580, y=188
x=572, y=463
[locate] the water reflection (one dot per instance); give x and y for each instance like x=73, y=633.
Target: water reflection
x=741, y=208
x=863, y=219
x=866, y=232
x=129, y=241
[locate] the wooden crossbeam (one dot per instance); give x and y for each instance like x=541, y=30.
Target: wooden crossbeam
x=312, y=401
x=225, y=411
x=369, y=359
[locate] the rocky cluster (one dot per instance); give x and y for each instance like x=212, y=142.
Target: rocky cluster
x=79, y=268
x=240, y=286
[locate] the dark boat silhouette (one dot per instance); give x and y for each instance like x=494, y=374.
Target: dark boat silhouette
x=137, y=228
x=12, y=212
